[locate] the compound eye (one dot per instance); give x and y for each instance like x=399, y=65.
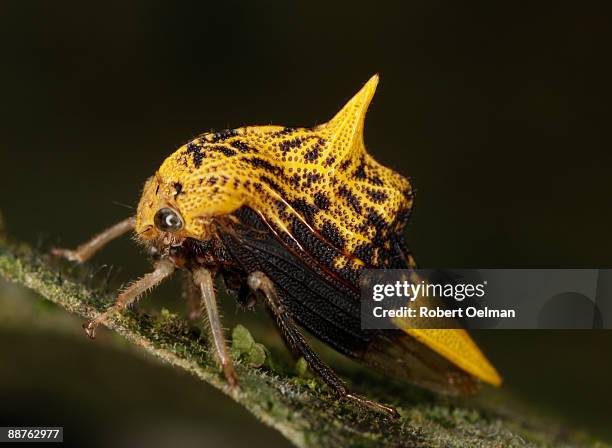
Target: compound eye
x=167, y=220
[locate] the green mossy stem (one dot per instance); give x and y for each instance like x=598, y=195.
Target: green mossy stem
x=304, y=413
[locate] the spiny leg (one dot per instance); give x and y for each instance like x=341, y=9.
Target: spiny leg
x=163, y=269
x=88, y=249
x=258, y=281
x=204, y=280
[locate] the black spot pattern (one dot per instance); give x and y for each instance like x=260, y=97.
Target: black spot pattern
x=178, y=187
x=196, y=153
x=321, y=200
x=223, y=135
x=365, y=252
x=351, y=199
x=377, y=196
x=241, y=146
x=304, y=208
x=331, y=232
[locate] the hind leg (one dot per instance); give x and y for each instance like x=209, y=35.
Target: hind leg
x=258, y=281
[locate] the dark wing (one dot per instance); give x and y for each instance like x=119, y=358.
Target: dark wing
x=326, y=307
x=329, y=308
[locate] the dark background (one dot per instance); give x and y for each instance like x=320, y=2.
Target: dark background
x=498, y=111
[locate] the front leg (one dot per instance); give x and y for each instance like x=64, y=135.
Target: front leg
x=203, y=278
x=89, y=248
x=258, y=281
x=163, y=269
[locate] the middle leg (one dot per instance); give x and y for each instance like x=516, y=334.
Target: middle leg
x=192, y=296
x=203, y=278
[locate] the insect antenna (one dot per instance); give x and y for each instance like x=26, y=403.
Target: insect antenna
x=121, y=204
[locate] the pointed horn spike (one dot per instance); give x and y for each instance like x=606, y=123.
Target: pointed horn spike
x=346, y=128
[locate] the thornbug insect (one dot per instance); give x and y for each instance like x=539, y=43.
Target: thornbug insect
x=293, y=215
